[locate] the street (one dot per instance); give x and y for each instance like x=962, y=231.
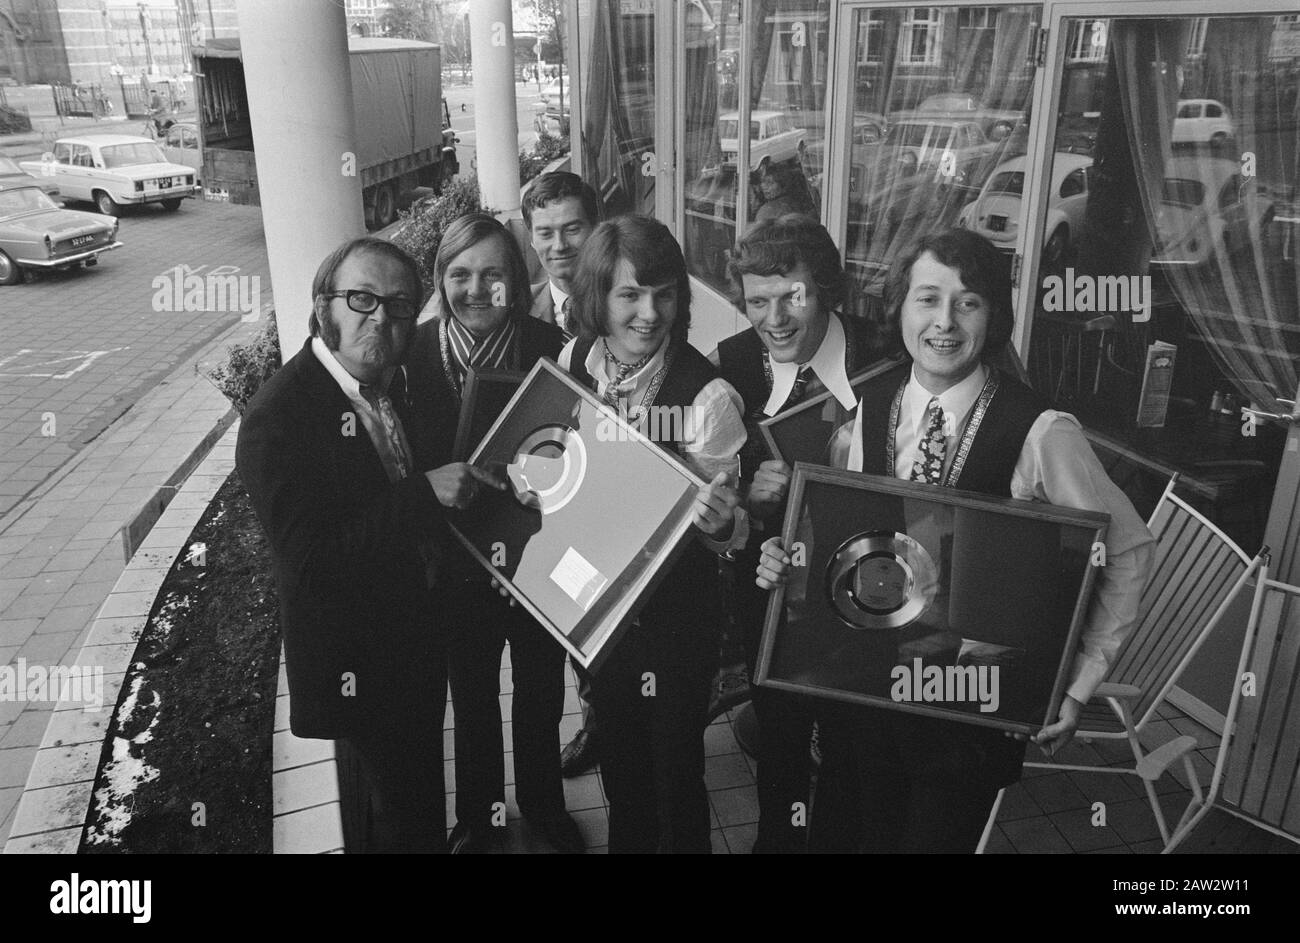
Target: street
x=80, y=347
x=462, y=96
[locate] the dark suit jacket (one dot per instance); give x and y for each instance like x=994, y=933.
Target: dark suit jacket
x=543, y=304
x=345, y=552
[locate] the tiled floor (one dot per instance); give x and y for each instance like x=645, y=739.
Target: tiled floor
x=1048, y=812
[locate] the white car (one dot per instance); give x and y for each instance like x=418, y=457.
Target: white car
x=114, y=170
x=995, y=213
x=1208, y=209
x=180, y=145
x=1202, y=121
x=772, y=138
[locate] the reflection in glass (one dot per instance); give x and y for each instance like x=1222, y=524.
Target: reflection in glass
x=941, y=104
x=783, y=120
x=1189, y=129
x=618, y=113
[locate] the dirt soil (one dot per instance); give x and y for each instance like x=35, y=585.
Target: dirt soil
x=186, y=765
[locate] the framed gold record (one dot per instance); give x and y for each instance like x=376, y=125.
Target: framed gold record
x=928, y=600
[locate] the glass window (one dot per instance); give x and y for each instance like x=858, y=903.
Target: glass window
x=956, y=117
x=1172, y=286
x=786, y=43
x=618, y=119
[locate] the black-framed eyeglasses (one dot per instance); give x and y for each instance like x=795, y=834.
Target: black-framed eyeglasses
x=365, y=302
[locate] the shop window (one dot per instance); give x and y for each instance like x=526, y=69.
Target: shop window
x=948, y=130
x=1172, y=288
x=785, y=116
x=618, y=120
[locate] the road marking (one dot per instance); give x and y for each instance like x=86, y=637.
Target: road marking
x=29, y=359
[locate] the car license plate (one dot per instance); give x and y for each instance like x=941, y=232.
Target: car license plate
x=82, y=240
x=997, y=224
x=164, y=182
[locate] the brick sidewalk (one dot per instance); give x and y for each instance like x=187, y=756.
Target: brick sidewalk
x=62, y=549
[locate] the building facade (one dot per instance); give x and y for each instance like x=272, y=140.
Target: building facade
x=96, y=41
x=1136, y=161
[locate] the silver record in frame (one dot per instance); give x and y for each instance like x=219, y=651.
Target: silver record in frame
x=549, y=467
x=928, y=600
x=881, y=580
x=594, y=516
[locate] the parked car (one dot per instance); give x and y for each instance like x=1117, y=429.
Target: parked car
x=1208, y=209
x=996, y=211
x=997, y=123
x=36, y=233
x=955, y=148
x=11, y=175
x=772, y=137
x=180, y=145
x=1202, y=121
x=113, y=170
x=868, y=130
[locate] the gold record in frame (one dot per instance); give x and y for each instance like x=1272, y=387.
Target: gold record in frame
x=881, y=580
x=549, y=466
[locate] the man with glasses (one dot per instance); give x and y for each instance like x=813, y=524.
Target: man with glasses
x=325, y=453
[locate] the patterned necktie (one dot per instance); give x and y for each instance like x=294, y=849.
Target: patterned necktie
x=933, y=446
x=796, y=391
x=563, y=319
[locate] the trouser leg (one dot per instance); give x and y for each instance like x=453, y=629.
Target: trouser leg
x=537, y=669
x=474, y=665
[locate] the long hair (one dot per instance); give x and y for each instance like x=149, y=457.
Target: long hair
x=655, y=258
x=469, y=230
x=324, y=280
x=983, y=270
x=778, y=246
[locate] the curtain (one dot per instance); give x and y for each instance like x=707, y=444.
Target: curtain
x=1242, y=295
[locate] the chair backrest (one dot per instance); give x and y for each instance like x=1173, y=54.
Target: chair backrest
x=1263, y=775
x=1196, y=573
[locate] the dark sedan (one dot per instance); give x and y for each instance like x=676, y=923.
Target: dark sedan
x=11, y=175
x=37, y=234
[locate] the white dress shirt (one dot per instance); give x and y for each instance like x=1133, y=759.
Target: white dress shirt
x=1056, y=466
x=827, y=364
x=379, y=418
x=559, y=298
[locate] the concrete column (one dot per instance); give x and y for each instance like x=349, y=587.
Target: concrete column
x=300, y=101
x=491, y=36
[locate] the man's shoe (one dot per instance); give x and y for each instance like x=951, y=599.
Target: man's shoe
x=580, y=755
x=470, y=840
x=560, y=832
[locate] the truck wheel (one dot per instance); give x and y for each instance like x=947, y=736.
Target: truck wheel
x=171, y=206
x=106, y=204
x=10, y=273
x=385, y=205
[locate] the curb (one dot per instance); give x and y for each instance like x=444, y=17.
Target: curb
x=51, y=815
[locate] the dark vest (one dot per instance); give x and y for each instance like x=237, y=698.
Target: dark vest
x=687, y=604
x=989, y=467
x=740, y=361
x=996, y=447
